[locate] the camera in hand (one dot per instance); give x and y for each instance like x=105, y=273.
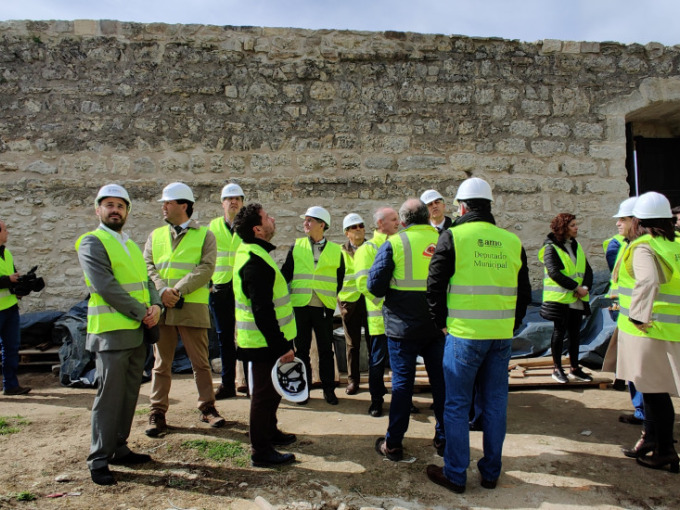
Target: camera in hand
x=28, y=283
x=180, y=303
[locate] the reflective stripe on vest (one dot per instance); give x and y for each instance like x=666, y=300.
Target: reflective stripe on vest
x=349, y=292
x=226, y=248
x=7, y=299
x=322, y=279
x=363, y=260
x=665, y=320
x=412, y=251
x=129, y=270
x=552, y=291
x=482, y=293
x=172, y=266
x=248, y=335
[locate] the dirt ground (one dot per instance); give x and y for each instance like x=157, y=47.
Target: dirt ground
x=562, y=451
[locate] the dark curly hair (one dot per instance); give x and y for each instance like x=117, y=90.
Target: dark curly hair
x=246, y=219
x=560, y=224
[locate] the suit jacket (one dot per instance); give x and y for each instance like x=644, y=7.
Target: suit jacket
x=195, y=315
x=96, y=264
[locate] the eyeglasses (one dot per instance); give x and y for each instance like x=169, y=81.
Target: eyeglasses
x=355, y=227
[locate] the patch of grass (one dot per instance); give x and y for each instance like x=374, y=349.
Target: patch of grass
x=25, y=496
x=12, y=424
x=142, y=411
x=219, y=450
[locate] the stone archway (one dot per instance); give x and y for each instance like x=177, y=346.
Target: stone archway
x=647, y=124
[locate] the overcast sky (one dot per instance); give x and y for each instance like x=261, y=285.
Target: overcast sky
x=625, y=21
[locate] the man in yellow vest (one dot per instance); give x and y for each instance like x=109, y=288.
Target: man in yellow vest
x=123, y=302
x=265, y=325
x=386, y=222
x=222, y=292
x=10, y=337
x=477, y=290
x=399, y=273
x=180, y=258
x=315, y=270
x=352, y=302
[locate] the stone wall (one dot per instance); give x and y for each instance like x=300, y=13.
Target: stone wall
x=347, y=120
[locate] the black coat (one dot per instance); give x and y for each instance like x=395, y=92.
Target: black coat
x=550, y=310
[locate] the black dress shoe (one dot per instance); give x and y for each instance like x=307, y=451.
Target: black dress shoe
x=352, y=389
x=630, y=419
x=131, y=459
x=102, y=476
x=489, y=484
x=641, y=448
x=376, y=409
x=436, y=474
x=330, y=397
x=283, y=439
x=223, y=392
x=414, y=409
x=660, y=461
x=272, y=459
x=19, y=390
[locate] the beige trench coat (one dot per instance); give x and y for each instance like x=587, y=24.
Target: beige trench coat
x=652, y=365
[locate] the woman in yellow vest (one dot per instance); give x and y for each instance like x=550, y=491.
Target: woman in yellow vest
x=648, y=276
x=567, y=278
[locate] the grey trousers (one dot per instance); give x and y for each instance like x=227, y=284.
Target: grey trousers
x=120, y=376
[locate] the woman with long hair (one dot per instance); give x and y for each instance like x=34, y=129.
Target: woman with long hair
x=567, y=278
x=648, y=276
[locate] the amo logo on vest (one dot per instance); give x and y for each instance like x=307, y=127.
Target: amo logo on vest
x=429, y=251
x=482, y=243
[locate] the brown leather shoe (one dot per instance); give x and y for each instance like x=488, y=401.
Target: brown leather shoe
x=210, y=416
x=157, y=424
x=352, y=389
x=436, y=475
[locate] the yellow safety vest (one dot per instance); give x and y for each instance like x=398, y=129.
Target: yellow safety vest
x=482, y=293
x=623, y=246
x=248, y=336
x=226, y=249
x=349, y=292
x=552, y=291
x=7, y=299
x=412, y=250
x=172, y=266
x=323, y=280
x=363, y=260
x=666, y=307
x=129, y=270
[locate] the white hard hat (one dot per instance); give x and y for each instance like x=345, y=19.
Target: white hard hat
x=474, y=187
x=430, y=196
x=290, y=380
x=112, y=190
x=177, y=191
x=232, y=190
x=652, y=205
x=351, y=219
x=319, y=213
x=626, y=208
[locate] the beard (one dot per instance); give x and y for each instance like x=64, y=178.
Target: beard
x=116, y=223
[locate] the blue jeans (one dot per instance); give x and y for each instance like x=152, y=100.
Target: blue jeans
x=9, y=340
x=376, y=368
x=403, y=354
x=637, y=400
x=464, y=362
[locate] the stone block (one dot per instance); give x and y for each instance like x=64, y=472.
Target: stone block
x=590, y=47
x=551, y=46
x=411, y=163
x=556, y=129
x=575, y=167
x=395, y=144
x=516, y=185
x=535, y=108
x=571, y=47
x=41, y=167
x=604, y=150
x=380, y=163
x=322, y=91
x=85, y=27
x=511, y=146
x=547, y=148
x=588, y=130
x=523, y=128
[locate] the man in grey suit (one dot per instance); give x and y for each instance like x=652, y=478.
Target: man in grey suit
x=122, y=304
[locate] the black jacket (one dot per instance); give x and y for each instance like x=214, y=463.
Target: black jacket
x=442, y=268
x=551, y=310
x=257, y=283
